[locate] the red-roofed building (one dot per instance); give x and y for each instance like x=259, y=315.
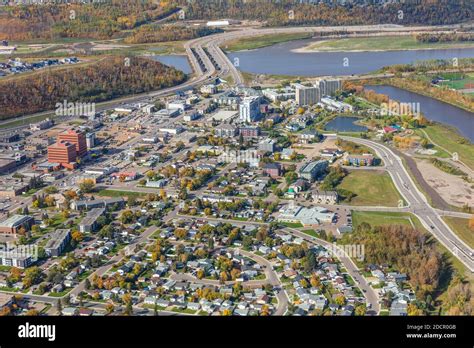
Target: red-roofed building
x=388, y=130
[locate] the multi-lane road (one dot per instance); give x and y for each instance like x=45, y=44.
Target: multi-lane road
x=418, y=204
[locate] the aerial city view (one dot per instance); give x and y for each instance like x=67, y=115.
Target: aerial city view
x=236, y=158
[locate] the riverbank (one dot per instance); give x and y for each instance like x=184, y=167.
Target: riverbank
x=381, y=43
x=255, y=42
x=447, y=96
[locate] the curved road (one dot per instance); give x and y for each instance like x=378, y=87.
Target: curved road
x=418, y=204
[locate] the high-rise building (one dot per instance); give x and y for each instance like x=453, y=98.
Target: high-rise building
x=307, y=95
x=62, y=152
x=249, y=109
x=77, y=138
x=90, y=140
x=329, y=86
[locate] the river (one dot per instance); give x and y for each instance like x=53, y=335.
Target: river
x=433, y=109
x=177, y=61
x=281, y=60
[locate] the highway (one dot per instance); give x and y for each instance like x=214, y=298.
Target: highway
x=418, y=204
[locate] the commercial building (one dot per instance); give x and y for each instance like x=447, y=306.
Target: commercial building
x=7, y=165
x=306, y=95
x=313, y=170
x=9, y=137
x=11, y=189
x=57, y=242
x=63, y=152
x=44, y=124
x=308, y=217
x=77, y=138
x=192, y=116
x=14, y=223
x=249, y=109
x=89, y=223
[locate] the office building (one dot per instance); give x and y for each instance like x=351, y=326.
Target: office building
x=63, y=152
x=90, y=140
x=77, y=138
x=14, y=223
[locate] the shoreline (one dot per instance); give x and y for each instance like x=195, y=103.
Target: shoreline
x=306, y=49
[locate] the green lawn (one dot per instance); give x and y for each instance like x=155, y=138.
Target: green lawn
x=311, y=233
x=371, y=188
x=292, y=224
x=118, y=193
x=452, y=142
x=460, y=226
x=255, y=42
x=381, y=43
x=375, y=218
x=458, y=84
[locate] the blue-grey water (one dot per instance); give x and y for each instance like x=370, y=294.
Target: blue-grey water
x=279, y=59
x=433, y=109
x=176, y=61
x=344, y=124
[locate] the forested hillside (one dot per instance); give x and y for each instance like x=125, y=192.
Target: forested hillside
x=102, y=20
x=291, y=12
x=109, y=78
x=113, y=18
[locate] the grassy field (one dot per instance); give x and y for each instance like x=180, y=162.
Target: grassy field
x=376, y=218
x=461, y=227
x=118, y=193
x=459, y=82
x=381, y=44
x=255, y=42
x=451, y=141
x=371, y=188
